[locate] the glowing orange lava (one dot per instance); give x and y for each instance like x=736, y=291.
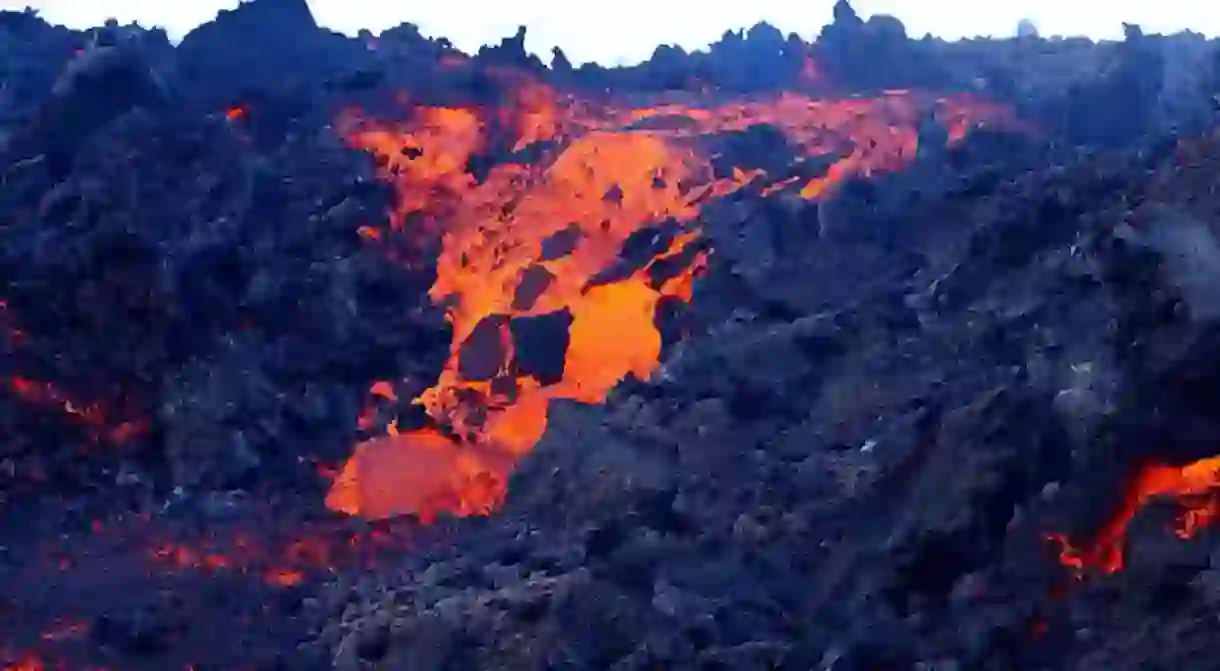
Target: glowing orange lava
x=606, y=172
x=27, y=663
x=1193, y=485
x=283, y=565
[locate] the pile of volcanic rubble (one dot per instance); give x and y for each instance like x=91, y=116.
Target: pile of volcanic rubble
x=891, y=429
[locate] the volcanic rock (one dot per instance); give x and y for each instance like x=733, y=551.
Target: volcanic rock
x=540, y=344
x=879, y=402
x=93, y=90
x=886, y=472
x=257, y=47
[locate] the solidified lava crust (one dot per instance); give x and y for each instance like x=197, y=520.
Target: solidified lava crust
x=366, y=353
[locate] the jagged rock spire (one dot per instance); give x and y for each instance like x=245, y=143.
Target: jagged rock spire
x=559, y=61
x=844, y=13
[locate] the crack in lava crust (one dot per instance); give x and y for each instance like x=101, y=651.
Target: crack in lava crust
x=607, y=173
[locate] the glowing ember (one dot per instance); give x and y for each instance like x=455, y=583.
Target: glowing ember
x=90, y=415
x=285, y=566
x=608, y=173
x=28, y=663
x=380, y=393
x=47, y=394
x=1193, y=485
x=34, y=662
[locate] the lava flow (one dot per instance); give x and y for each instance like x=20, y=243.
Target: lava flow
x=1193, y=485
x=544, y=239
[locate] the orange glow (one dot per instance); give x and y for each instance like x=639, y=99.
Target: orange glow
x=33, y=662
x=383, y=389
x=608, y=173
x=1193, y=485
x=381, y=392
x=46, y=394
x=27, y=663
x=184, y=557
x=243, y=556
x=234, y=113
x=282, y=563
x=284, y=578
x=421, y=471
x=90, y=415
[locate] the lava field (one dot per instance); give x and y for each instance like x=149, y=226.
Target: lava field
x=861, y=354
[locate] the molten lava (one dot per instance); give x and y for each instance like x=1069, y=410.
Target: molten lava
x=1194, y=485
x=532, y=238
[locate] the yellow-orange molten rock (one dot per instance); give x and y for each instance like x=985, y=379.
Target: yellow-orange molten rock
x=420, y=472
x=606, y=173
x=1193, y=485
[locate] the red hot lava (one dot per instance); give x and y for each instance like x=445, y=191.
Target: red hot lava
x=609, y=172
x=1196, y=486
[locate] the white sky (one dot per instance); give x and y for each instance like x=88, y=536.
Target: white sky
x=617, y=31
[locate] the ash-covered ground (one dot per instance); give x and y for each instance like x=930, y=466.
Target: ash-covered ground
x=862, y=353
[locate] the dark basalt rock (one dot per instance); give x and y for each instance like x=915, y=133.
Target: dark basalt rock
x=258, y=47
